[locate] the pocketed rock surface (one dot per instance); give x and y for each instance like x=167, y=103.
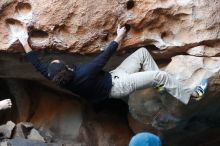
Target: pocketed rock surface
x=182, y=35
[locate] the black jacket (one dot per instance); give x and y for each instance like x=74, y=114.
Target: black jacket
x=90, y=81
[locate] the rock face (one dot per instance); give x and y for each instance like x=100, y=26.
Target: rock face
x=182, y=35
x=85, y=26
x=6, y=130
x=164, y=112
x=62, y=119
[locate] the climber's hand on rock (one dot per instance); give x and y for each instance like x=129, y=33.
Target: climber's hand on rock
x=121, y=32
x=21, y=33
x=18, y=30
x=22, y=36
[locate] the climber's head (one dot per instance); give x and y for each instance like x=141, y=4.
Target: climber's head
x=59, y=72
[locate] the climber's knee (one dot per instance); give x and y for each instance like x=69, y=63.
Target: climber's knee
x=143, y=50
x=161, y=77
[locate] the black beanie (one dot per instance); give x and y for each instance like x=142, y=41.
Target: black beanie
x=54, y=68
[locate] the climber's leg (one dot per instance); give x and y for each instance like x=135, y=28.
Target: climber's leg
x=126, y=78
x=200, y=90
x=139, y=60
x=124, y=84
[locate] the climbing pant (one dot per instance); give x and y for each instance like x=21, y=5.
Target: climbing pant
x=139, y=71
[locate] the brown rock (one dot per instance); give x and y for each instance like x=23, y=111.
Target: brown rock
x=101, y=130
x=78, y=25
x=22, y=101
x=204, y=50
x=138, y=126
x=168, y=28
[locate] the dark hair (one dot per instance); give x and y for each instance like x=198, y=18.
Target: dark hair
x=63, y=77
x=54, y=68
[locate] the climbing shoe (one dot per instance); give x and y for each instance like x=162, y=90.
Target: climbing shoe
x=161, y=89
x=200, y=89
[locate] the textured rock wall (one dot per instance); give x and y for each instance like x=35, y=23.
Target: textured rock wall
x=182, y=35
x=85, y=26
x=62, y=118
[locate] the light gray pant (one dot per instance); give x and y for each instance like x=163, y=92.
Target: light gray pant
x=140, y=71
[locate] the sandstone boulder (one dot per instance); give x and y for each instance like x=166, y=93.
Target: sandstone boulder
x=172, y=27
x=34, y=135
x=6, y=130
x=23, y=129
x=168, y=28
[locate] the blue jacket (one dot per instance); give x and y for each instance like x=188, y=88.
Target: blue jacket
x=90, y=81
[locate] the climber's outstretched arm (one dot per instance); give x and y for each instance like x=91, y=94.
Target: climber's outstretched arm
x=99, y=62
x=32, y=57
x=26, y=46
x=19, y=31
x=24, y=39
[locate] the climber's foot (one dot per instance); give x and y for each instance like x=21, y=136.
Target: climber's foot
x=200, y=90
x=161, y=89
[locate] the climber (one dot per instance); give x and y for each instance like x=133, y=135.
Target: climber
x=5, y=104
x=138, y=71
x=145, y=139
